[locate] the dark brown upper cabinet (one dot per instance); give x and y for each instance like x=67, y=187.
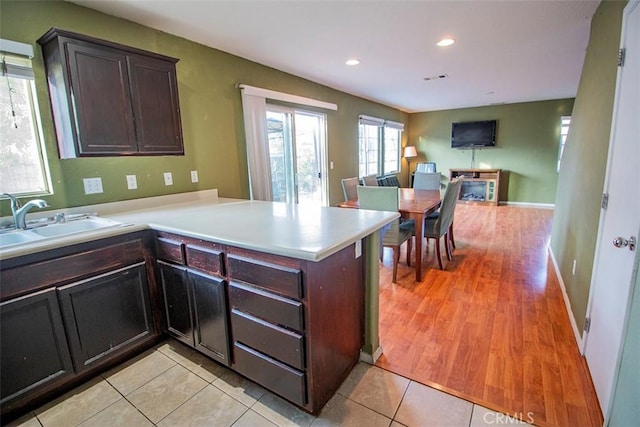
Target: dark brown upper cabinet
x=109, y=99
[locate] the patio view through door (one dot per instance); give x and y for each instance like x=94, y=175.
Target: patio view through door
x=297, y=151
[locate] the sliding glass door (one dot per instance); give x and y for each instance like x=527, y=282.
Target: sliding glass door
x=297, y=151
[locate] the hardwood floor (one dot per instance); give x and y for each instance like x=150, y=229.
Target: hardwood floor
x=492, y=328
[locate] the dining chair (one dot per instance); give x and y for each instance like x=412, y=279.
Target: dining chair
x=349, y=188
x=442, y=226
x=388, y=181
x=427, y=167
x=427, y=181
x=370, y=181
x=386, y=199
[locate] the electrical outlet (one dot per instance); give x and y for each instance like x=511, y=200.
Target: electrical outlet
x=573, y=269
x=330, y=165
x=168, y=178
x=194, y=176
x=132, y=182
x=92, y=185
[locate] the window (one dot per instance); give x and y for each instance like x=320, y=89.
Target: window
x=565, y=123
x=379, y=146
x=23, y=166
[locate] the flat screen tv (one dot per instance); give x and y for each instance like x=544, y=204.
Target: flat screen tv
x=473, y=134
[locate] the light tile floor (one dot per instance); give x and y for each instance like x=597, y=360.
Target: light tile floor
x=173, y=385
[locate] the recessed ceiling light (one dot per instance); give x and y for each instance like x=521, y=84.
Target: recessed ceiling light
x=352, y=61
x=446, y=42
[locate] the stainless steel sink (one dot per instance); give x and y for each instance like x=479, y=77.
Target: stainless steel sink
x=50, y=231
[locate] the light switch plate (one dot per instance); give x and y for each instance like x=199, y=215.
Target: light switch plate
x=194, y=176
x=168, y=178
x=132, y=182
x=92, y=185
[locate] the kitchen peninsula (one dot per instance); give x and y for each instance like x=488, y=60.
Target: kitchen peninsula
x=279, y=293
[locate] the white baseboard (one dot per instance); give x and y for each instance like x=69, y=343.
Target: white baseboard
x=567, y=303
x=530, y=205
x=371, y=358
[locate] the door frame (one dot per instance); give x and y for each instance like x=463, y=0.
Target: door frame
x=602, y=240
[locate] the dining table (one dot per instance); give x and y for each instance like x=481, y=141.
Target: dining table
x=416, y=205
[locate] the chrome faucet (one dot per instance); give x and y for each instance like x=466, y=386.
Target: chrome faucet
x=20, y=212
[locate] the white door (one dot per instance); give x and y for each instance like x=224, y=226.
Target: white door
x=613, y=264
x=297, y=150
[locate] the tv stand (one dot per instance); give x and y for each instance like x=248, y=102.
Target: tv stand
x=480, y=186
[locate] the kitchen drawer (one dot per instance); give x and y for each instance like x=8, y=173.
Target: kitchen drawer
x=275, y=376
x=170, y=250
x=207, y=260
x=277, y=342
x=266, y=305
x=283, y=280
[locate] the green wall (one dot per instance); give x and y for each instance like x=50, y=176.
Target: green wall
x=581, y=178
x=211, y=111
x=527, y=140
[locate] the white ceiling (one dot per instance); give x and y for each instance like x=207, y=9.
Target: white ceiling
x=506, y=51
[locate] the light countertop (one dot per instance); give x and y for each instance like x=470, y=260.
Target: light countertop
x=309, y=233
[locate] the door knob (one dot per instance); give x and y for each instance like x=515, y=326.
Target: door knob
x=620, y=242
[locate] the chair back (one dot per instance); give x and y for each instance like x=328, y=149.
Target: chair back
x=388, y=181
x=349, y=188
x=381, y=199
x=426, y=167
x=370, y=181
x=427, y=181
x=448, y=206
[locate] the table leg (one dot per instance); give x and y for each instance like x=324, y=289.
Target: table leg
x=419, y=224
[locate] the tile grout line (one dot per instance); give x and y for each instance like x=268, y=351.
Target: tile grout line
x=401, y=400
x=128, y=401
x=209, y=383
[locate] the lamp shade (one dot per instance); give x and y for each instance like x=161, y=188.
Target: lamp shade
x=410, y=152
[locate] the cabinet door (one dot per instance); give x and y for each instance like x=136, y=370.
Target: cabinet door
x=106, y=314
x=101, y=100
x=177, y=301
x=210, y=312
x=34, y=345
x=154, y=94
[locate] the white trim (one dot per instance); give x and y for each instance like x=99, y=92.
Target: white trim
x=286, y=97
x=369, y=120
x=530, y=205
x=16, y=48
x=394, y=125
x=371, y=358
x=567, y=303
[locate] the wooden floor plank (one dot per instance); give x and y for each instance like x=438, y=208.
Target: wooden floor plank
x=492, y=327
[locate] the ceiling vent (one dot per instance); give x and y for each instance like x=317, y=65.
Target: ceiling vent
x=437, y=77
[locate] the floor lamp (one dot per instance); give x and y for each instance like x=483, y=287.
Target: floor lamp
x=409, y=153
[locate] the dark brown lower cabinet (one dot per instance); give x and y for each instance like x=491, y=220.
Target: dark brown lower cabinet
x=210, y=313
x=34, y=345
x=294, y=326
x=103, y=314
x=196, y=309
x=177, y=301
x=68, y=313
